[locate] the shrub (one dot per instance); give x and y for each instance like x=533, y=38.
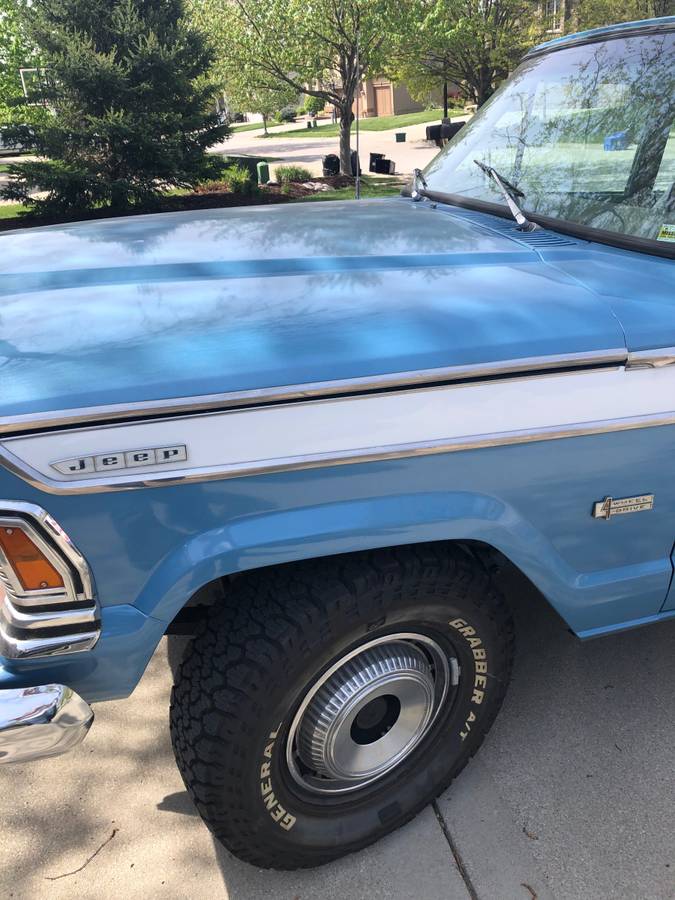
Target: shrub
x=288, y=114
x=314, y=105
x=249, y=163
x=129, y=93
x=290, y=174
x=238, y=179
x=235, y=179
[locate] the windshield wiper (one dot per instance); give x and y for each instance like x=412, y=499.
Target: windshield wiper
x=417, y=192
x=509, y=192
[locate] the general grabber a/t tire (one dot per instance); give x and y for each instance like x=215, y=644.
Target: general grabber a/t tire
x=325, y=703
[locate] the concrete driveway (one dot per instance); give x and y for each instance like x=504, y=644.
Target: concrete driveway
x=572, y=796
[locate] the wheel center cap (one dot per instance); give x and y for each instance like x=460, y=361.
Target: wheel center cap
x=375, y=719
x=369, y=714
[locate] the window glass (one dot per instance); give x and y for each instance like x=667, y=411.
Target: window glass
x=585, y=132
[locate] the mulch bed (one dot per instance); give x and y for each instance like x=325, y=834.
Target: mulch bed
x=200, y=199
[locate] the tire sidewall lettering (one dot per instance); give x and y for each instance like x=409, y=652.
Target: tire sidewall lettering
x=478, y=651
x=276, y=810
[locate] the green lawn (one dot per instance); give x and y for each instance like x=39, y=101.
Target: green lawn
x=377, y=123
x=370, y=187
x=247, y=126
x=10, y=210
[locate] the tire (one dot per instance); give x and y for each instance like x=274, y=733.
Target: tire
x=250, y=703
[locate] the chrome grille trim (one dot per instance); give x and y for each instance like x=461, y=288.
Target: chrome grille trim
x=36, y=623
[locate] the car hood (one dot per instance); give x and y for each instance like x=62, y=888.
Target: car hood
x=177, y=305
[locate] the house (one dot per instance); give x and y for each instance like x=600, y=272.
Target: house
x=381, y=97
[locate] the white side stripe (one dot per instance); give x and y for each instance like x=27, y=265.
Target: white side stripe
x=348, y=429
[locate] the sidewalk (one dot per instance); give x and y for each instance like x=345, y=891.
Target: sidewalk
x=571, y=797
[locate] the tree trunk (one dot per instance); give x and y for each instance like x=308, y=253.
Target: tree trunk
x=445, y=99
x=264, y=118
x=484, y=86
x=346, y=140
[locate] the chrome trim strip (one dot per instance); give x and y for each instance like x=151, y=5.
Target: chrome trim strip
x=32, y=648
x=651, y=359
x=41, y=721
x=12, y=616
x=324, y=460
x=310, y=390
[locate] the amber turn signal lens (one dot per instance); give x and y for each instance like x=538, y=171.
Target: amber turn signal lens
x=29, y=563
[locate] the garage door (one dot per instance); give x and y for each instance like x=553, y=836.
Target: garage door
x=383, y=104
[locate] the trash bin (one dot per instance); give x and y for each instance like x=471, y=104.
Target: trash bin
x=618, y=141
x=372, y=165
x=384, y=166
x=355, y=164
x=309, y=124
x=449, y=130
x=263, y=171
x=331, y=165
x=315, y=124
x=400, y=137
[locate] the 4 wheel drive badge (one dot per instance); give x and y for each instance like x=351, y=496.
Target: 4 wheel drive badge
x=610, y=506
x=121, y=459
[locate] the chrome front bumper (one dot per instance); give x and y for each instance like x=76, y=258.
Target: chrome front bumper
x=41, y=721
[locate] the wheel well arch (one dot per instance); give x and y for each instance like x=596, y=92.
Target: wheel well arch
x=483, y=554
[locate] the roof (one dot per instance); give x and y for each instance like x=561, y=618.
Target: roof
x=665, y=23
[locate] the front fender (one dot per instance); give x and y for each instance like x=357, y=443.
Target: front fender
x=584, y=600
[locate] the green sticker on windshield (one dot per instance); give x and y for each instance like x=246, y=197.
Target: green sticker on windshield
x=667, y=233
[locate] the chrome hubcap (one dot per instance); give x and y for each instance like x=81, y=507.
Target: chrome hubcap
x=368, y=712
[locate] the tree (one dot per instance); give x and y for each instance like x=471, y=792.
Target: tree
x=126, y=82
x=594, y=13
x=266, y=101
x=246, y=95
x=473, y=43
x=313, y=105
x=16, y=52
x=322, y=48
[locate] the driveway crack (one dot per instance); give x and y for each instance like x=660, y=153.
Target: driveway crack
x=457, y=856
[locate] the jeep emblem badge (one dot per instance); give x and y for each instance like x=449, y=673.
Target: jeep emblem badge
x=121, y=459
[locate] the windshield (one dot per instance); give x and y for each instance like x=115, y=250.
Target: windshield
x=586, y=133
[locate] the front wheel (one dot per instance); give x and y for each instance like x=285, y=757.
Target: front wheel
x=327, y=702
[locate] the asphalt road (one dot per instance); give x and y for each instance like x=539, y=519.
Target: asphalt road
x=571, y=797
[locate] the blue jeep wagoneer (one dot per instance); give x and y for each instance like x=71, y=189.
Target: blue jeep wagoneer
x=309, y=435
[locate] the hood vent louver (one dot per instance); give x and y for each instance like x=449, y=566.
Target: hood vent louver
x=539, y=238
